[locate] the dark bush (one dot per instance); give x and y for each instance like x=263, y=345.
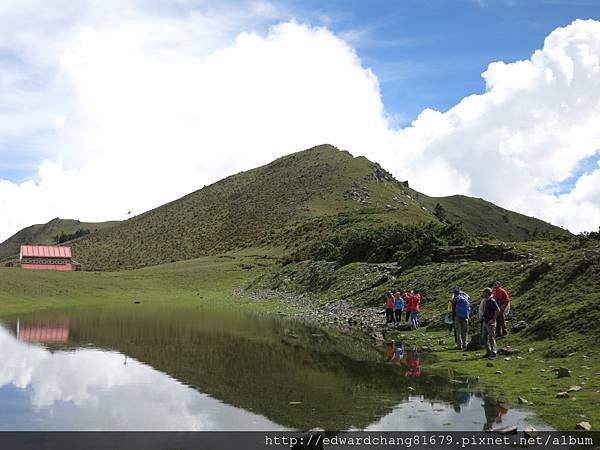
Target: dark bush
x=64, y=237
x=406, y=244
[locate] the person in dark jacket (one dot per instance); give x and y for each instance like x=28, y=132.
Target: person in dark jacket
x=491, y=310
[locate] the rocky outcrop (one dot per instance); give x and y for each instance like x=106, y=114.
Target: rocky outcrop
x=484, y=252
x=379, y=174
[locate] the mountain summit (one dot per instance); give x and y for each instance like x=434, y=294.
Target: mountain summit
x=294, y=200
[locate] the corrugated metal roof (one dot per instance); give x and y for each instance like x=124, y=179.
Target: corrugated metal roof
x=46, y=251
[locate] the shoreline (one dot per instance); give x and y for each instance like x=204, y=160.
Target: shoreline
x=522, y=376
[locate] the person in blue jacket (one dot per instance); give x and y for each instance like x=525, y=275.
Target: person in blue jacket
x=398, y=306
x=462, y=314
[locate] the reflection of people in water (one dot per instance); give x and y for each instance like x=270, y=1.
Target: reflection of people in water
x=413, y=364
x=494, y=411
x=395, y=353
x=460, y=396
x=391, y=352
x=399, y=353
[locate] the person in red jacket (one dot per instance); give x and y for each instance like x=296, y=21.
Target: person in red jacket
x=410, y=299
x=389, y=307
x=503, y=299
x=416, y=309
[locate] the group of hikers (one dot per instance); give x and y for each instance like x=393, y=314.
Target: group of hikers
x=494, y=307
x=398, y=302
x=493, y=310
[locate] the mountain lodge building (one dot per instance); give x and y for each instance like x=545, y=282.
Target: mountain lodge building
x=48, y=257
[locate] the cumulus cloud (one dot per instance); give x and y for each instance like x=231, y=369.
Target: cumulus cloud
x=138, y=111
x=536, y=121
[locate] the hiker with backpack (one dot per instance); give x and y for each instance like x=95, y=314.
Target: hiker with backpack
x=462, y=313
x=398, y=306
x=491, y=311
x=503, y=300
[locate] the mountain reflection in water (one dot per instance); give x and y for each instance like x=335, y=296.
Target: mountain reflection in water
x=173, y=368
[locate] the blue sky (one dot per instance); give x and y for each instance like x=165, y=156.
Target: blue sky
x=430, y=54
x=142, y=89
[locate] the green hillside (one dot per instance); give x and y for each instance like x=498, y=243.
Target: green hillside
x=44, y=234
x=292, y=202
x=485, y=218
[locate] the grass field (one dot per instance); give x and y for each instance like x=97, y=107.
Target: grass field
x=209, y=279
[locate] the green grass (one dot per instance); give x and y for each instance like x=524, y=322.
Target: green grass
x=209, y=279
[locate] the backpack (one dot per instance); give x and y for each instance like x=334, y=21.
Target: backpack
x=463, y=306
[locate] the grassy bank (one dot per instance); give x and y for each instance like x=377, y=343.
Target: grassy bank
x=527, y=374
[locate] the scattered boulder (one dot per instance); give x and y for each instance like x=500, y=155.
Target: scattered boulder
x=499, y=372
x=522, y=401
x=584, y=426
x=530, y=432
x=509, y=351
x=574, y=389
x=512, y=429
x=476, y=343
x=442, y=341
x=377, y=337
x=531, y=349
x=562, y=395
x=563, y=372
x=295, y=403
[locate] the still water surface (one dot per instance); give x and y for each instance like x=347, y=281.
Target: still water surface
x=172, y=368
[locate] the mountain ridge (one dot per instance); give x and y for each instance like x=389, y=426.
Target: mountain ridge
x=43, y=234
x=295, y=199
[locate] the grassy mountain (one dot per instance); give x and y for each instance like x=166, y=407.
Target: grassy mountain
x=290, y=203
x=485, y=218
x=44, y=234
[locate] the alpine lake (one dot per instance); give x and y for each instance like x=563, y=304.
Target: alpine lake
x=164, y=367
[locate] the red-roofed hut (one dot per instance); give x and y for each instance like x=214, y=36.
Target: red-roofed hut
x=49, y=257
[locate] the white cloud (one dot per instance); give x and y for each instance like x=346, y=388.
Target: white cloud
x=152, y=106
x=536, y=121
